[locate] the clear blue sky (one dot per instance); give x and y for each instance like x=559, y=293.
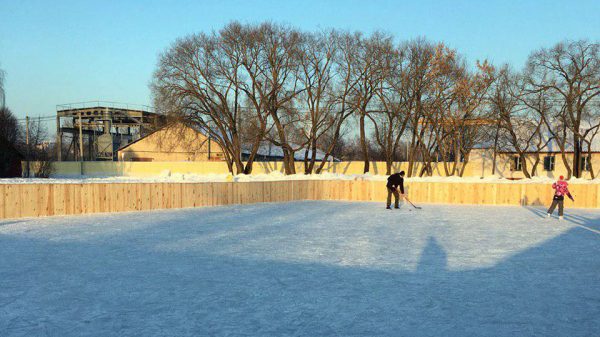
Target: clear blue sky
x=71, y=51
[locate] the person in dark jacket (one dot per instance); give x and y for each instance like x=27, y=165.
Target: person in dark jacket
x=395, y=182
x=561, y=188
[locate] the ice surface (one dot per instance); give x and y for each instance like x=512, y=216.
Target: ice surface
x=309, y=268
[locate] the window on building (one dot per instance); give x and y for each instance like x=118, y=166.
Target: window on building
x=515, y=165
x=549, y=163
x=585, y=163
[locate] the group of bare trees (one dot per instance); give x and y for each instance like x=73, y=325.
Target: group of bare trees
x=30, y=141
x=313, y=91
x=552, y=105
x=248, y=84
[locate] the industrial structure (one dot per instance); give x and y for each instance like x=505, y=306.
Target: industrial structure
x=95, y=130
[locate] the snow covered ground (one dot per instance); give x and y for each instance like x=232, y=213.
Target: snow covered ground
x=309, y=268
x=168, y=177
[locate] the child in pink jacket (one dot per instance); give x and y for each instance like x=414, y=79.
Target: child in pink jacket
x=561, y=188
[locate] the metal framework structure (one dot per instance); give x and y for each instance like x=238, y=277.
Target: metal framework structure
x=101, y=127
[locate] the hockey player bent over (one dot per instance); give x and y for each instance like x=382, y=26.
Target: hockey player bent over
x=394, y=182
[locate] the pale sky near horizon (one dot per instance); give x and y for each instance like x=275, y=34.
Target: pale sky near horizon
x=56, y=52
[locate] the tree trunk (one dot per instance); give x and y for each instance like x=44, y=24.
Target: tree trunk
x=336, y=136
x=446, y=169
x=313, y=156
x=411, y=154
x=288, y=160
x=567, y=166
x=576, y=156
x=495, y=148
x=524, y=165
x=251, y=157
x=388, y=166
x=305, y=161
x=229, y=165
x=464, y=165
x=535, y=165
x=288, y=155
x=239, y=166
x=363, y=144
x=592, y=174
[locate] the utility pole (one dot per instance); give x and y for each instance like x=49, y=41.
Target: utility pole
x=80, y=145
x=27, y=143
x=58, y=139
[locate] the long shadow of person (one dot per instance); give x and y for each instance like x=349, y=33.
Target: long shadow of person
x=434, y=259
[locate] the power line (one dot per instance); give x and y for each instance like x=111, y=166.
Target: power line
x=38, y=118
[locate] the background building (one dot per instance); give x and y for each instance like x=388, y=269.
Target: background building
x=176, y=142
x=95, y=130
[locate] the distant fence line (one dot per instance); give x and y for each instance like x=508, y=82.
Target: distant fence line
x=478, y=166
x=35, y=200
x=151, y=169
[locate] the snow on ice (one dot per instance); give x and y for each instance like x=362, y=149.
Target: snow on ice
x=309, y=268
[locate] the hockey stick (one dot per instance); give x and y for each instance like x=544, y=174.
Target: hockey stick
x=413, y=205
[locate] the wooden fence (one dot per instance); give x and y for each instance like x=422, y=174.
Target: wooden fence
x=34, y=200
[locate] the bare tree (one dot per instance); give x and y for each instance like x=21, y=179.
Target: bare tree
x=343, y=86
x=569, y=73
x=512, y=116
x=271, y=65
x=391, y=118
x=420, y=74
x=470, y=118
x=430, y=81
x=554, y=123
x=317, y=55
x=39, y=150
x=199, y=81
x=368, y=74
x=437, y=138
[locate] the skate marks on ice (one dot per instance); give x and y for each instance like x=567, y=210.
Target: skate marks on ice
x=587, y=222
x=303, y=268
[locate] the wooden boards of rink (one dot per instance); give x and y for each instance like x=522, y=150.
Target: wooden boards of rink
x=35, y=200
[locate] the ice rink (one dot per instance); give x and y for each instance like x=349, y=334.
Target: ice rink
x=309, y=268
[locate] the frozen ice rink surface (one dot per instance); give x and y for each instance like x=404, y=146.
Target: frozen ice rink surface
x=303, y=269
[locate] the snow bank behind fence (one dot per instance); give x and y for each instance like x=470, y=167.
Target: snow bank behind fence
x=167, y=176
